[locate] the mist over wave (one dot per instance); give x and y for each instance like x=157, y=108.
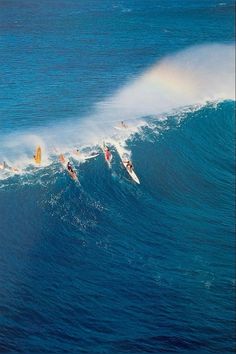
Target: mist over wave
x=193, y=76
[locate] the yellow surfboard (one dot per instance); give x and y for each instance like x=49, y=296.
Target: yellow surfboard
x=37, y=156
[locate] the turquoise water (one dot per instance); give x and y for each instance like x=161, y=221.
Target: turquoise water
x=106, y=265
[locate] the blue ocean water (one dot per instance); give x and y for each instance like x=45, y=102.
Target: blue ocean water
x=109, y=266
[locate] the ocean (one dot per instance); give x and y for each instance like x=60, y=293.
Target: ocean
x=106, y=265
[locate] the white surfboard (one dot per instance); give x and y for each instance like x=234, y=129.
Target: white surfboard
x=124, y=157
x=89, y=157
x=120, y=127
x=82, y=156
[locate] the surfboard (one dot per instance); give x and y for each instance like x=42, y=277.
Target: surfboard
x=91, y=157
x=82, y=156
x=64, y=162
x=121, y=127
x=38, y=155
x=104, y=151
x=124, y=157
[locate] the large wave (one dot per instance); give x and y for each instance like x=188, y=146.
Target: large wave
x=75, y=255
x=189, y=78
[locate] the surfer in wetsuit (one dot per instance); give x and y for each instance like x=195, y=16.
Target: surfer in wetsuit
x=69, y=167
x=129, y=165
x=107, y=153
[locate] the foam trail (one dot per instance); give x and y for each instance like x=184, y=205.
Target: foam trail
x=193, y=76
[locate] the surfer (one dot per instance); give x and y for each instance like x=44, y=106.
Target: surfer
x=69, y=167
x=123, y=125
x=5, y=166
x=2, y=165
x=107, y=153
x=129, y=165
x=37, y=155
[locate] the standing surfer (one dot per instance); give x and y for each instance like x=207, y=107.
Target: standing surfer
x=107, y=153
x=129, y=165
x=123, y=125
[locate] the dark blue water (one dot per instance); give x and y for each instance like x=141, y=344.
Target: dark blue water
x=109, y=266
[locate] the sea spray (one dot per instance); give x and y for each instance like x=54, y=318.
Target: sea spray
x=193, y=76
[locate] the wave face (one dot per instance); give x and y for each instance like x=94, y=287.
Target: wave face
x=88, y=257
